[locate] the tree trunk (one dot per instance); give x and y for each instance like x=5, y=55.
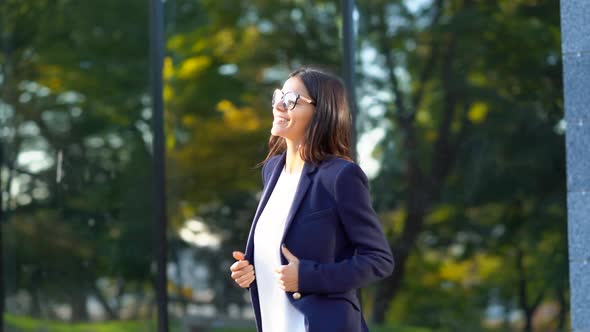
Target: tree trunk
x=78, y=303
x=387, y=289
x=35, y=310
x=562, y=308
x=35, y=291
x=522, y=291
x=111, y=314
x=140, y=301
x=529, y=308
x=424, y=187
x=174, y=251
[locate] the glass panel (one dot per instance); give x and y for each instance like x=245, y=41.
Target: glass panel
x=76, y=166
x=460, y=132
x=224, y=60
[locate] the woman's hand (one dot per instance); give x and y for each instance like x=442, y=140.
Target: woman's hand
x=288, y=275
x=242, y=272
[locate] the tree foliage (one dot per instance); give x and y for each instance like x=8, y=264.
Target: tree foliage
x=465, y=93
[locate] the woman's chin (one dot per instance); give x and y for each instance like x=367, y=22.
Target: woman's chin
x=277, y=131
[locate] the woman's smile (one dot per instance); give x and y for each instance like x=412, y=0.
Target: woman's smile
x=280, y=120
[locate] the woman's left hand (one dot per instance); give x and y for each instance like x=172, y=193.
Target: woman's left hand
x=288, y=275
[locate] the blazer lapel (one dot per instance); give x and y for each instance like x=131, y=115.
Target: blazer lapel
x=268, y=188
x=304, y=182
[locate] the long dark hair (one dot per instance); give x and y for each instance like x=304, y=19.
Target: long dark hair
x=329, y=131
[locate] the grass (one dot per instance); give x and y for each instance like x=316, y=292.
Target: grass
x=28, y=324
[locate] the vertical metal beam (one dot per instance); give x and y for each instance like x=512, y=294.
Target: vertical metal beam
x=1, y=242
x=159, y=187
x=4, y=39
x=349, y=63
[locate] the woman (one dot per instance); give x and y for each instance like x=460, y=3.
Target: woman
x=315, y=238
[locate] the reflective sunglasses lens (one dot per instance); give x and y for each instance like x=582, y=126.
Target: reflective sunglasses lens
x=276, y=97
x=290, y=100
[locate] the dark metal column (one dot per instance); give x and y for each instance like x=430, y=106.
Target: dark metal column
x=1, y=243
x=159, y=196
x=349, y=63
x=4, y=39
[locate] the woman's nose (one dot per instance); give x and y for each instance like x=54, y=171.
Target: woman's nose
x=279, y=106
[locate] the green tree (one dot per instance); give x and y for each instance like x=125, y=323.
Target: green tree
x=471, y=179
x=224, y=58
x=76, y=211
x=469, y=108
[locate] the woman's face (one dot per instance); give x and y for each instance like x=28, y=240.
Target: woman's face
x=291, y=124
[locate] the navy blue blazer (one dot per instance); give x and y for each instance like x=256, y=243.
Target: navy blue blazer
x=334, y=231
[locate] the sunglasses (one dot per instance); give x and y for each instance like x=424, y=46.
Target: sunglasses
x=288, y=100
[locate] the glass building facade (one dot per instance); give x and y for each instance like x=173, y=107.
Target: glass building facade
x=76, y=175
x=81, y=162
x=131, y=134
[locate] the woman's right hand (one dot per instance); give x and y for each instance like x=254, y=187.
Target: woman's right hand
x=242, y=272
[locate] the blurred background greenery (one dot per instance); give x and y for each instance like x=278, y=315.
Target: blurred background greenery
x=460, y=129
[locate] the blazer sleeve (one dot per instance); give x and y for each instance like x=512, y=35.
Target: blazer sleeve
x=373, y=259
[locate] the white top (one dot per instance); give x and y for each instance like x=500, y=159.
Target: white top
x=277, y=313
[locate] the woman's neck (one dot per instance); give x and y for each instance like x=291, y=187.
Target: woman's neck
x=293, y=163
